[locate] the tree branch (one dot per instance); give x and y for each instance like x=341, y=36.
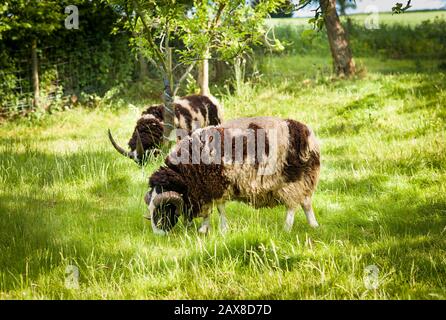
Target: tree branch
x=398, y=8
x=155, y=48
x=183, y=77
x=303, y=5
x=218, y=15
x=408, y=6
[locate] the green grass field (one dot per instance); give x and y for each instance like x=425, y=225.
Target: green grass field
x=408, y=18
x=67, y=198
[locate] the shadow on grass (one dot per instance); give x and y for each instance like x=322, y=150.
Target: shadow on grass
x=366, y=102
x=366, y=186
x=32, y=239
x=38, y=236
x=38, y=233
x=41, y=223
x=40, y=169
x=371, y=204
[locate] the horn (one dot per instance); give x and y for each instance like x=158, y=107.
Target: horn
x=169, y=196
x=117, y=147
x=139, y=146
x=147, y=198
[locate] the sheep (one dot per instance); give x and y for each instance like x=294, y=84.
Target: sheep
x=191, y=112
x=262, y=161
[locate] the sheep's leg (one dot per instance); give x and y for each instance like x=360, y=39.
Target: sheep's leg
x=289, y=221
x=223, y=222
x=206, y=225
x=309, y=213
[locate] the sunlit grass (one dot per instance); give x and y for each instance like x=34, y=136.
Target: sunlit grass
x=408, y=18
x=67, y=198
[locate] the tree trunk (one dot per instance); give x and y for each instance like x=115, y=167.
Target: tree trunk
x=219, y=70
x=343, y=62
x=35, y=73
x=143, y=68
x=169, y=115
x=203, y=74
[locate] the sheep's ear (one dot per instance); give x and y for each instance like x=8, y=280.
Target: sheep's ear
x=147, y=200
x=148, y=197
x=139, y=146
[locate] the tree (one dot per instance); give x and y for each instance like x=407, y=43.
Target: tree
x=343, y=62
x=27, y=21
x=226, y=29
x=173, y=35
x=284, y=10
x=155, y=26
x=326, y=15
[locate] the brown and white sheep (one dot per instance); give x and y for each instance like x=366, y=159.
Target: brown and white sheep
x=263, y=161
x=191, y=112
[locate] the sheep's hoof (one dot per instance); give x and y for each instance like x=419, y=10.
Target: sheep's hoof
x=204, y=229
x=287, y=226
x=159, y=232
x=314, y=225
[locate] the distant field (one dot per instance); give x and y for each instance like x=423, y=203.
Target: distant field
x=409, y=18
x=397, y=37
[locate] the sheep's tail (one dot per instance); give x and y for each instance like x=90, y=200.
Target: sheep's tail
x=218, y=104
x=303, y=150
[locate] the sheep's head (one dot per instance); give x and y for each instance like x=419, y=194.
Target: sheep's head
x=146, y=138
x=164, y=210
x=136, y=155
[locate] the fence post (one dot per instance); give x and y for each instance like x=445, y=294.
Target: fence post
x=35, y=73
x=203, y=74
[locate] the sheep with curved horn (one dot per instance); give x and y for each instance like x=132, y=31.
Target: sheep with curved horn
x=191, y=112
x=263, y=161
x=134, y=155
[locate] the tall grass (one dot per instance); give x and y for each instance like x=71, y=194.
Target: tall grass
x=67, y=198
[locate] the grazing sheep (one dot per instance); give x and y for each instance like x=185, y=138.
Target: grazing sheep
x=263, y=161
x=191, y=112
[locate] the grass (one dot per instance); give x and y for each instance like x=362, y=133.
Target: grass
x=387, y=18
x=316, y=68
x=67, y=198
x=415, y=36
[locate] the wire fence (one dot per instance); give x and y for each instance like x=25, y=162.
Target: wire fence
x=66, y=70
